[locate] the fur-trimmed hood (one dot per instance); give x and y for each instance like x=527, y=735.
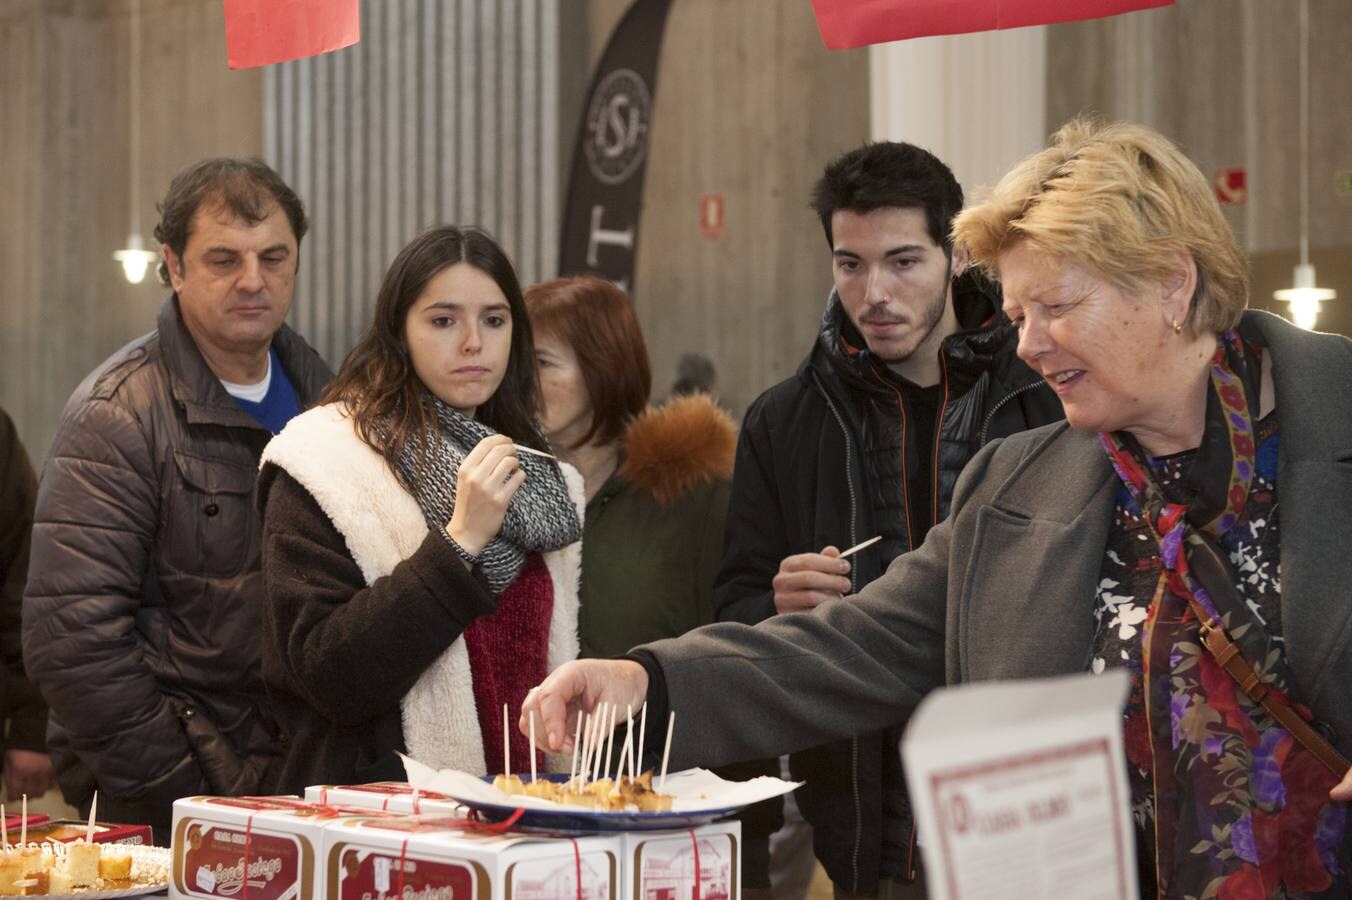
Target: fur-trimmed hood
x=684, y=443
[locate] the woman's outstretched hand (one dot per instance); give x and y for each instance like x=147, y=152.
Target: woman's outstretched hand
x=487, y=480
x=576, y=688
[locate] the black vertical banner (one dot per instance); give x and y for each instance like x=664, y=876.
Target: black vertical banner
x=605, y=184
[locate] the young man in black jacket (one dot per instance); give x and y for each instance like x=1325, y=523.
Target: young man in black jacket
x=913, y=371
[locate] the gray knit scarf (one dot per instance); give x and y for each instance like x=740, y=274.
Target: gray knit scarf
x=540, y=516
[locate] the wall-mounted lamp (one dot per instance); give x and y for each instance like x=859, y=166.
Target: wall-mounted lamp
x=135, y=258
x=1304, y=297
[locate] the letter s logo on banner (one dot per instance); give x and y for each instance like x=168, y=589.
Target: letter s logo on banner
x=600, y=223
x=618, y=122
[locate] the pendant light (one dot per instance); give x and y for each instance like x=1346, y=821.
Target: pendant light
x=135, y=258
x=1303, y=296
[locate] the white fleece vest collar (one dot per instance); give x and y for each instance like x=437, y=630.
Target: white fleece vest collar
x=382, y=525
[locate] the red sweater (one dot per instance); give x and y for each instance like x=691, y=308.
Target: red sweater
x=508, y=655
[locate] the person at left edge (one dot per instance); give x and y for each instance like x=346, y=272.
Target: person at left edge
x=420, y=571
x=23, y=715
x=141, y=613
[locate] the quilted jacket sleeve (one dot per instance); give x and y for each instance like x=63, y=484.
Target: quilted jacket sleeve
x=95, y=523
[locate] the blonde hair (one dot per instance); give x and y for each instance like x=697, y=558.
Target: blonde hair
x=1121, y=200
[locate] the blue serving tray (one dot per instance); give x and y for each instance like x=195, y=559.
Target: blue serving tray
x=581, y=821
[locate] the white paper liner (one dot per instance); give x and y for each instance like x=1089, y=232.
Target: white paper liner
x=692, y=790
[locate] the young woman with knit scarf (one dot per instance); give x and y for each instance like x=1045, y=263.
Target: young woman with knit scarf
x=419, y=572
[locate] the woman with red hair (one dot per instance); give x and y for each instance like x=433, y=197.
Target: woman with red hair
x=657, y=478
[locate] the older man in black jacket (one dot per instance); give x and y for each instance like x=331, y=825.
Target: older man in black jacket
x=913, y=370
x=141, y=614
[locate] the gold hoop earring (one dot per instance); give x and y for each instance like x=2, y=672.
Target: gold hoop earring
x=1178, y=326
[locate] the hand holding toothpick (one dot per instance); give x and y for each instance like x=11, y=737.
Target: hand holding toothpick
x=576, y=689
x=807, y=580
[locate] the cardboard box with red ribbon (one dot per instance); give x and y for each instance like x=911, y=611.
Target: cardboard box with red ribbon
x=439, y=859
x=263, y=848
x=387, y=796
x=68, y=831
x=665, y=863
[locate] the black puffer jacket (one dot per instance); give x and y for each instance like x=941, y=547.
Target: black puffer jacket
x=805, y=477
x=142, y=611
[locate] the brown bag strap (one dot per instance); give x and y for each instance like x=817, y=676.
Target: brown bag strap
x=1219, y=644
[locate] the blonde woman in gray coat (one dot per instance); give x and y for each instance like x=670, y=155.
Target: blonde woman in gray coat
x=1126, y=537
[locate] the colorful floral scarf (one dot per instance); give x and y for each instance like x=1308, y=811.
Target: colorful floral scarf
x=1241, y=808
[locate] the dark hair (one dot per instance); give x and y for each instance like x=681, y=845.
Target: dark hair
x=890, y=174
x=247, y=188
x=597, y=320
x=377, y=382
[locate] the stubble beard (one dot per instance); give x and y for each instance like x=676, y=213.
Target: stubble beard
x=933, y=315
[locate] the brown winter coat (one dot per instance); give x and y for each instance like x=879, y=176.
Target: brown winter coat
x=142, y=611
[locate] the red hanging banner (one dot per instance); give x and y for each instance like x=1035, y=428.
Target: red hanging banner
x=262, y=32
x=858, y=23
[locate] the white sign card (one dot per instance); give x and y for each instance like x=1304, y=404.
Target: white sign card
x=1020, y=790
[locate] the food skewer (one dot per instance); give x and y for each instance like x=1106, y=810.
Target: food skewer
x=4, y=827
x=583, y=764
x=600, y=745
x=642, y=728
x=626, y=757
x=860, y=546
x=577, y=741
x=23, y=824
x=533, y=777
x=666, y=751
x=600, y=741
x=522, y=447
x=610, y=736
x=93, y=808
x=629, y=741
x=506, y=744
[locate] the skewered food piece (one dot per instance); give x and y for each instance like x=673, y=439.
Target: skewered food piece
x=631, y=794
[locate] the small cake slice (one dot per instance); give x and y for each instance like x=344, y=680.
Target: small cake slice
x=11, y=870
x=60, y=882
x=115, y=864
x=82, y=864
x=509, y=784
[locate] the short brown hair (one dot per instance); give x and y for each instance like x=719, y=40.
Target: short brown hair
x=247, y=188
x=1123, y=201
x=597, y=320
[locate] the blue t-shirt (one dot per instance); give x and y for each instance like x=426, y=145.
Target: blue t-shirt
x=279, y=405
